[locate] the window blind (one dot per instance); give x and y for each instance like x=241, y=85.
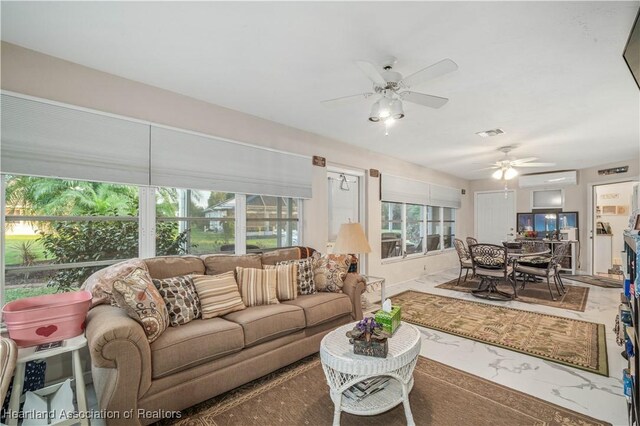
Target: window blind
x=443, y=196
x=42, y=139
x=402, y=190
x=185, y=160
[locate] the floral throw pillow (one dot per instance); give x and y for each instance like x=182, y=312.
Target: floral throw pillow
x=137, y=295
x=305, y=282
x=329, y=271
x=181, y=298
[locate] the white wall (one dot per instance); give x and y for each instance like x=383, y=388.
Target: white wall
x=576, y=198
x=31, y=73
x=618, y=223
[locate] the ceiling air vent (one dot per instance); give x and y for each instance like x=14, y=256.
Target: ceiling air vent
x=489, y=133
x=614, y=170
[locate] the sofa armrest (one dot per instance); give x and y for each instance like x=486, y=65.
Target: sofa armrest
x=353, y=287
x=119, y=350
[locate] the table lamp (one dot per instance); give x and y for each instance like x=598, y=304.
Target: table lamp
x=351, y=240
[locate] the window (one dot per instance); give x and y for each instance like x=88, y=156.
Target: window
x=272, y=222
x=190, y=221
x=413, y=229
x=392, y=229
x=58, y=232
x=449, y=226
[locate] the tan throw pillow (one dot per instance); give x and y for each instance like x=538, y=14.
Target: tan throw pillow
x=329, y=272
x=137, y=295
x=257, y=286
x=100, y=283
x=286, y=280
x=218, y=294
x=181, y=299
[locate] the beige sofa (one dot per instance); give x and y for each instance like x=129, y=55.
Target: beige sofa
x=204, y=358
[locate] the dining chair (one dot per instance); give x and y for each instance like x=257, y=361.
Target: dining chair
x=491, y=265
x=471, y=241
x=464, y=257
x=8, y=358
x=551, y=270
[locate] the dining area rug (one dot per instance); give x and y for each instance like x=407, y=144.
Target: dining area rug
x=536, y=293
x=576, y=343
x=441, y=395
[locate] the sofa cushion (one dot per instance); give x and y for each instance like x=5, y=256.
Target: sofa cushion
x=218, y=294
x=162, y=267
x=137, y=295
x=179, y=294
x=286, y=280
x=322, y=307
x=220, y=263
x=290, y=253
x=329, y=271
x=180, y=348
x=267, y=322
x=257, y=286
x=100, y=283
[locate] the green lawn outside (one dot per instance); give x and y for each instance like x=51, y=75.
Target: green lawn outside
x=11, y=294
x=13, y=255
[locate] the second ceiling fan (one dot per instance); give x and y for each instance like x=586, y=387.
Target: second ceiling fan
x=392, y=88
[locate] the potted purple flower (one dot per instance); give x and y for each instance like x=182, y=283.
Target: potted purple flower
x=368, y=338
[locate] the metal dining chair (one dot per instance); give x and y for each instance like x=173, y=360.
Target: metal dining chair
x=491, y=265
x=552, y=270
x=464, y=257
x=471, y=241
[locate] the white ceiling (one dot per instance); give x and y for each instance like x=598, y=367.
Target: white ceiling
x=551, y=74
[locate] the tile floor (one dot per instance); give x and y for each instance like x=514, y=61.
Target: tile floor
x=581, y=391
x=597, y=396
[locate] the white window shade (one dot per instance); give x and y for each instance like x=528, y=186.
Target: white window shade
x=185, y=160
x=443, y=196
x=42, y=139
x=402, y=190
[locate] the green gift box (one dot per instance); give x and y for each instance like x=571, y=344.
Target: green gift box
x=390, y=321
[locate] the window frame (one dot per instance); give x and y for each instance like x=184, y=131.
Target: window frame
x=424, y=232
x=147, y=221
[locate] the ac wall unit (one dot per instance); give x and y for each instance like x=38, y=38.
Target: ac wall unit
x=547, y=180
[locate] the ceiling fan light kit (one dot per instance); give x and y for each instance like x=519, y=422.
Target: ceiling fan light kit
x=388, y=84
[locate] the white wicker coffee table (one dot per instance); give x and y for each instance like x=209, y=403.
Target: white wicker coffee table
x=344, y=369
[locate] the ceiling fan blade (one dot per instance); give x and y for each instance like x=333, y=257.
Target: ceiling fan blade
x=423, y=99
x=523, y=160
x=436, y=70
x=486, y=168
x=345, y=100
x=535, y=165
x=372, y=72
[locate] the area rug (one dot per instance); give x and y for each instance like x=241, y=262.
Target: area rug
x=441, y=395
x=576, y=343
x=596, y=280
x=537, y=293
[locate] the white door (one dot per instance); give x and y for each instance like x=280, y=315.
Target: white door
x=495, y=216
x=344, y=201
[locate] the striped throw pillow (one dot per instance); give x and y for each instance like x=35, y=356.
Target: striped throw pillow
x=286, y=280
x=257, y=286
x=218, y=294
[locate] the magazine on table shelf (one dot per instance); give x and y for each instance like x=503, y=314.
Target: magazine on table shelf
x=363, y=389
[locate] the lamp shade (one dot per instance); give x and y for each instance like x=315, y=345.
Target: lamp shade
x=351, y=240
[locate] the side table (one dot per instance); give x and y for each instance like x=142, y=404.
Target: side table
x=344, y=369
x=371, y=284
x=25, y=355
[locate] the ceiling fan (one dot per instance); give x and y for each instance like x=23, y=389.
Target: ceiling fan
x=506, y=168
x=392, y=88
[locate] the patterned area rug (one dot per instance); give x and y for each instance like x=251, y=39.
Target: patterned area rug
x=574, y=299
x=597, y=281
x=576, y=343
x=441, y=395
